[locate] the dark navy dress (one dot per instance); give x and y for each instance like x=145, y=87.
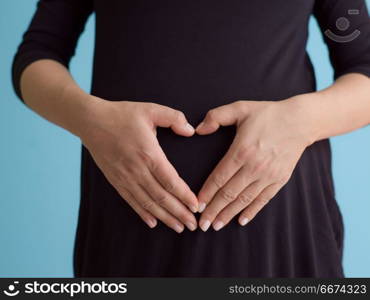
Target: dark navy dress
x=194, y=55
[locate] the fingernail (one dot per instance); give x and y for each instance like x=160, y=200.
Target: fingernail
x=189, y=127
x=202, y=206
x=194, y=208
x=205, y=225
x=201, y=124
x=191, y=226
x=244, y=221
x=218, y=225
x=151, y=223
x=178, y=228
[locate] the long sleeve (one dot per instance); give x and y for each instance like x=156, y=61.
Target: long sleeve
x=346, y=29
x=52, y=34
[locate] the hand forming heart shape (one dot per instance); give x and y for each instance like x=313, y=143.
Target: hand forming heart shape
x=270, y=137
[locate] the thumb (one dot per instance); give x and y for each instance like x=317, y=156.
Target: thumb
x=224, y=115
x=164, y=116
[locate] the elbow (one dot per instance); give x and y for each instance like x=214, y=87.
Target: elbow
x=22, y=59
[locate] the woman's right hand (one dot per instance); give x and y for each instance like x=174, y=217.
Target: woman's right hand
x=121, y=137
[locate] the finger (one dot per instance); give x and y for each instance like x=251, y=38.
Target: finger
x=245, y=198
x=147, y=217
x=224, y=115
x=230, y=164
x=168, y=201
x=266, y=195
x=152, y=207
x=226, y=195
x=164, y=116
x=170, y=180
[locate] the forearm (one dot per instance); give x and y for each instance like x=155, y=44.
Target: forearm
x=48, y=88
x=338, y=109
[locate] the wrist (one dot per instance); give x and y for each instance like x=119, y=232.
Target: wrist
x=305, y=110
x=81, y=109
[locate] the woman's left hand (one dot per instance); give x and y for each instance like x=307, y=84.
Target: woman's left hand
x=271, y=136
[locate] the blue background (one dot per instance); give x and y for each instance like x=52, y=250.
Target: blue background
x=40, y=164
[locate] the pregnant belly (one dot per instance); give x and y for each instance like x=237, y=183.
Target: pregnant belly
x=194, y=84
x=194, y=157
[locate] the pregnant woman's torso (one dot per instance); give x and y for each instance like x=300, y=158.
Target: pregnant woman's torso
x=196, y=55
